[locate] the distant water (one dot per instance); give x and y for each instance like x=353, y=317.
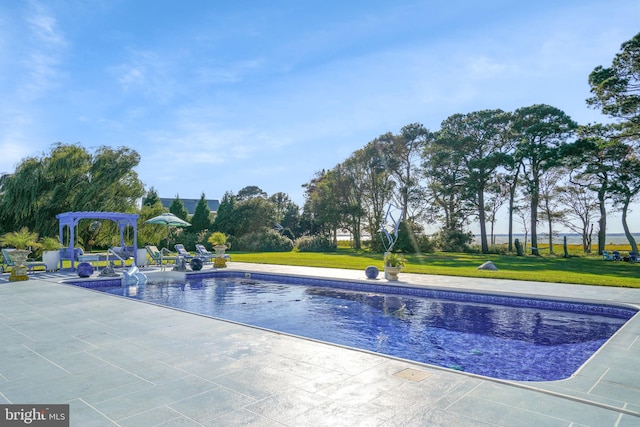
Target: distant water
x=572, y=239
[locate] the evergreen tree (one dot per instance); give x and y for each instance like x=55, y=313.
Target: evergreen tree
x=201, y=219
x=151, y=198
x=224, y=221
x=177, y=208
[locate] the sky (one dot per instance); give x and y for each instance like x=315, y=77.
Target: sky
x=219, y=95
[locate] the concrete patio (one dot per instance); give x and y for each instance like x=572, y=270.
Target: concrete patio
x=120, y=362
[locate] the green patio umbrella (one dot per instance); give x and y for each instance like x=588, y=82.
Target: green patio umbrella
x=168, y=219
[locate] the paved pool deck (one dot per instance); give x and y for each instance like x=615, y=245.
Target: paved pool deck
x=120, y=362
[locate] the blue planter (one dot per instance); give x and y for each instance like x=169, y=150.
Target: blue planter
x=196, y=264
x=85, y=269
x=371, y=272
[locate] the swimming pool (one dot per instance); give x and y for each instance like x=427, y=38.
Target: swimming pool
x=492, y=335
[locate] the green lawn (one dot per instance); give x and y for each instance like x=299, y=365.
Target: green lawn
x=591, y=270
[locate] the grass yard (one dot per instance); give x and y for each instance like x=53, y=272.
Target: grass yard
x=587, y=270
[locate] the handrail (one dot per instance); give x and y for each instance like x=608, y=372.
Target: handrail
x=110, y=252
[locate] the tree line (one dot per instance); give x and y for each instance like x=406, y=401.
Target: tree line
x=536, y=162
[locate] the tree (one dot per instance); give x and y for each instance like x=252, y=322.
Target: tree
x=402, y=156
x=151, y=234
x=543, y=129
x=151, y=198
x=582, y=206
x=625, y=189
x=253, y=215
x=111, y=183
x=616, y=89
x=446, y=186
x=346, y=182
x=593, y=159
x=287, y=212
x=178, y=209
x=249, y=192
x=498, y=195
x=550, y=202
x=201, y=219
x=69, y=179
x=224, y=221
x=321, y=208
x=375, y=187
x=478, y=140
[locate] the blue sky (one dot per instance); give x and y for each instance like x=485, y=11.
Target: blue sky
x=219, y=95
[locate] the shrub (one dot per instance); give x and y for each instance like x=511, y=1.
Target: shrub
x=451, y=240
x=263, y=241
x=217, y=238
x=493, y=249
x=315, y=243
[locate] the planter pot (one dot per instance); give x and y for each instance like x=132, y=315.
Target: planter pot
x=371, y=272
x=141, y=258
x=219, y=262
x=51, y=259
x=19, y=270
x=85, y=269
x=391, y=273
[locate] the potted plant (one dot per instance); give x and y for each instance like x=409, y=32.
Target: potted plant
x=141, y=254
x=50, y=252
x=23, y=241
x=393, y=264
x=219, y=242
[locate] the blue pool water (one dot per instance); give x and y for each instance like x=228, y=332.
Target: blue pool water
x=500, y=337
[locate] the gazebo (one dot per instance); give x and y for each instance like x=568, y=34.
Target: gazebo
x=71, y=219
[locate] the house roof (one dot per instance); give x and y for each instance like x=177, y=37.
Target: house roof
x=190, y=204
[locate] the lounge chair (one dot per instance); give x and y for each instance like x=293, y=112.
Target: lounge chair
x=616, y=256
x=606, y=255
x=203, y=253
x=30, y=263
x=633, y=257
x=158, y=256
x=182, y=251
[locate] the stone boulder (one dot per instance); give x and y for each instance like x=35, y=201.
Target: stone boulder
x=488, y=266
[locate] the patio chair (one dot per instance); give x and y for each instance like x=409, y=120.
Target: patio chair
x=182, y=251
x=8, y=262
x=158, y=256
x=204, y=254
x=633, y=257
x=606, y=255
x=616, y=256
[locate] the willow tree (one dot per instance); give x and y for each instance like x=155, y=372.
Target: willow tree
x=542, y=130
x=69, y=179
